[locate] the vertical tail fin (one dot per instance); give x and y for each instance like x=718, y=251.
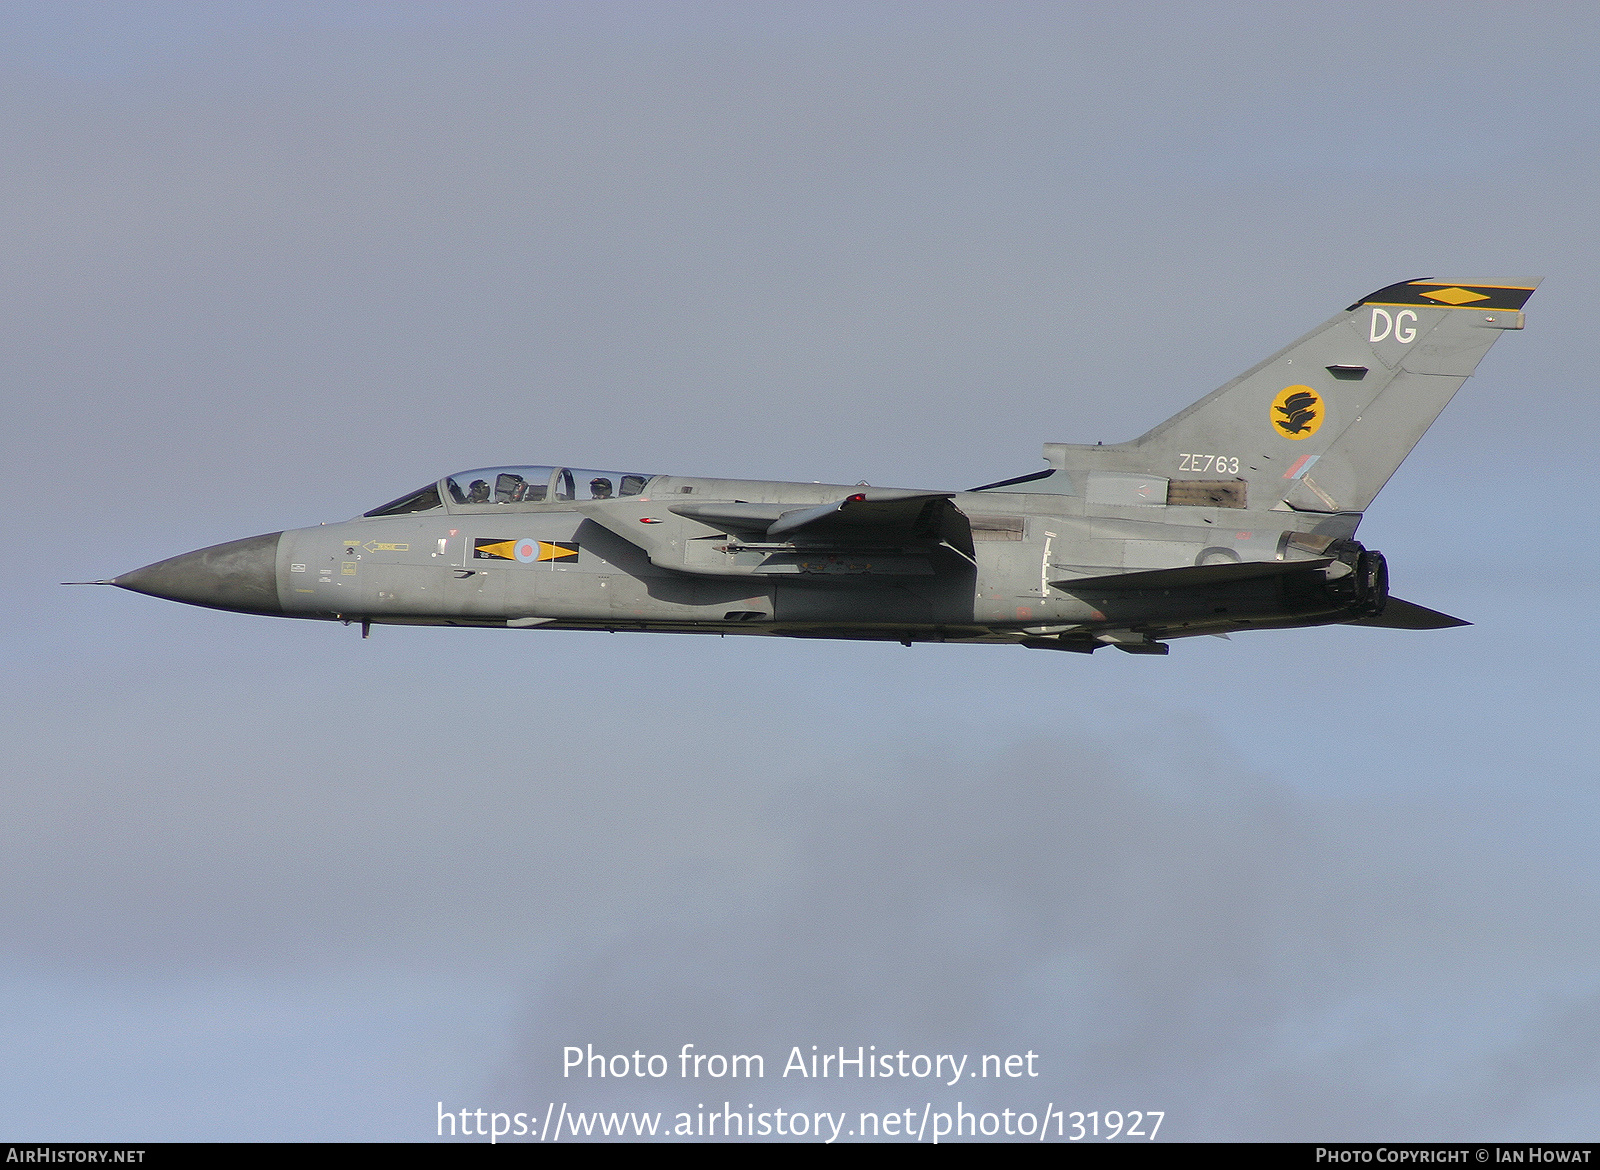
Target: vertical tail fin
x=1321, y=425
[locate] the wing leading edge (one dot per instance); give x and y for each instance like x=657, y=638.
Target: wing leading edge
x=878, y=515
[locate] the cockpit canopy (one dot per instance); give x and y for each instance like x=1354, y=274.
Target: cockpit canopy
x=540, y=485
x=496, y=487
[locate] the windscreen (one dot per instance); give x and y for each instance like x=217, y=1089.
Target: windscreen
x=420, y=500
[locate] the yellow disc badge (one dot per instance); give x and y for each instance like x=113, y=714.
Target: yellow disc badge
x=1297, y=412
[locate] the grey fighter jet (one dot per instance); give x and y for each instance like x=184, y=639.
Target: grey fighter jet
x=1239, y=513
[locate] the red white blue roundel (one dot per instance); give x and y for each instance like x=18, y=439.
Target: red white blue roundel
x=526, y=551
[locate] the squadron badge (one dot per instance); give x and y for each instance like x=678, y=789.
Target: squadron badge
x=1297, y=412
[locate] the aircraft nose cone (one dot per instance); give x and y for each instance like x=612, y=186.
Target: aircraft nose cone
x=241, y=575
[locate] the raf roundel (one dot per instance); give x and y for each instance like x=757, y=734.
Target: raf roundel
x=1297, y=412
x=526, y=551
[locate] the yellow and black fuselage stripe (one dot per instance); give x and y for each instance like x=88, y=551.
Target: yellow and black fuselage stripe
x=496, y=548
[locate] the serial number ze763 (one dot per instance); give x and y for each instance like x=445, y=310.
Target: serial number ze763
x=1221, y=464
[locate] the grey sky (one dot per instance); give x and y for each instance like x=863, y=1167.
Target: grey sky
x=279, y=263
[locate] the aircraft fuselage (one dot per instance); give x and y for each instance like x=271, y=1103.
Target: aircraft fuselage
x=983, y=566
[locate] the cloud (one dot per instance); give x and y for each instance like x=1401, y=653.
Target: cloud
x=1258, y=964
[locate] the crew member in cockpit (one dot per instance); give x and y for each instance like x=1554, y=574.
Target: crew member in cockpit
x=600, y=488
x=478, y=493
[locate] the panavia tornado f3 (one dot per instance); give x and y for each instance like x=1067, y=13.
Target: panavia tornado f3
x=1239, y=513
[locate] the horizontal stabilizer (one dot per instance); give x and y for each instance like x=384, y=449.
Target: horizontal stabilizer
x=1402, y=615
x=1189, y=577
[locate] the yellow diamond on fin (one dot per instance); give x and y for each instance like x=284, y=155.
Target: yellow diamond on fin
x=1455, y=296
